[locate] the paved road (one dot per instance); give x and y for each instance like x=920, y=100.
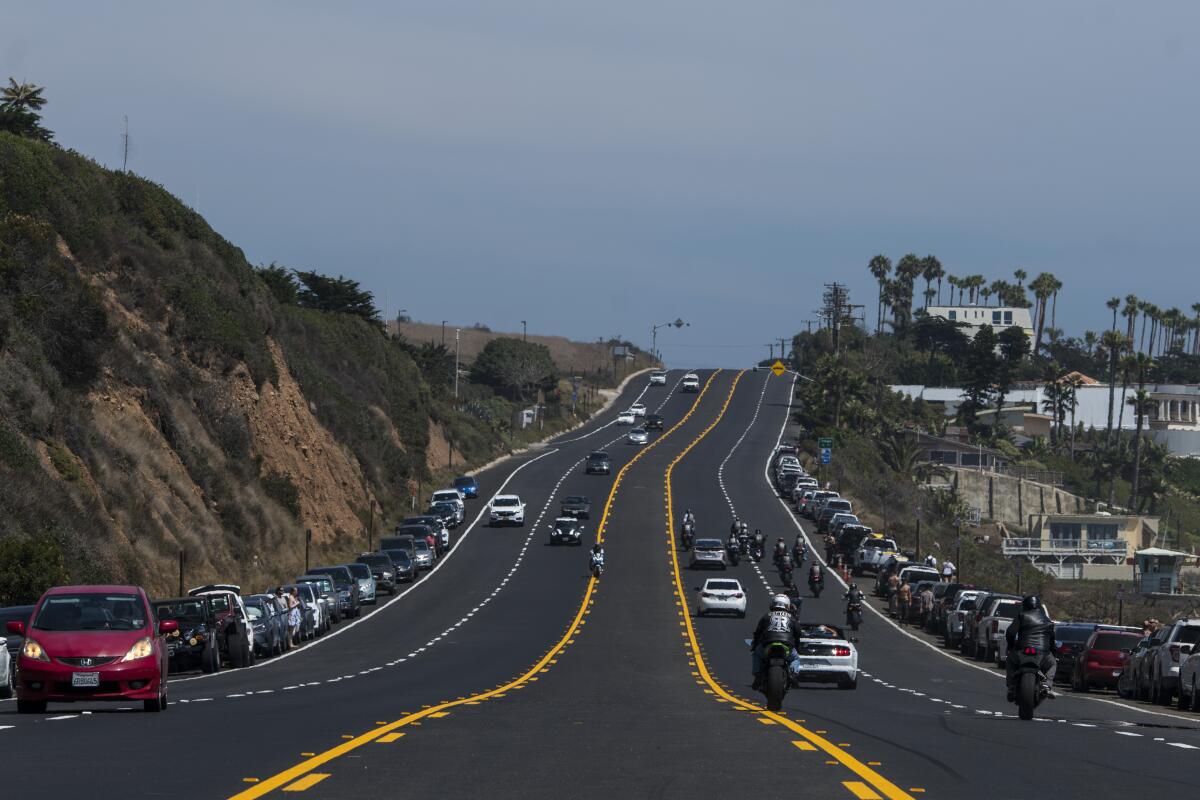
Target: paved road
x=508, y=671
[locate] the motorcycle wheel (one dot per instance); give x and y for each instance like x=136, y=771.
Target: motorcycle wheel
x=1026, y=695
x=774, y=687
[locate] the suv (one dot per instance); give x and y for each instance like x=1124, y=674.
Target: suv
x=872, y=553
x=1070, y=638
x=576, y=505
x=708, y=553
x=812, y=506
x=653, y=422
x=507, y=509
x=690, y=383
x=658, y=377
x=1163, y=672
x=956, y=616
x=11, y=644
x=347, y=588
x=402, y=563
x=327, y=596
x=382, y=570
x=467, y=486
x=450, y=496
x=194, y=642
x=235, y=637
x=598, y=463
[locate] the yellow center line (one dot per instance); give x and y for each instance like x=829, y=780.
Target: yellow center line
x=307, y=782
x=307, y=766
x=880, y=783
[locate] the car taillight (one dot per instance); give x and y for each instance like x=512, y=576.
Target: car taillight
x=737, y=595
x=995, y=625
x=841, y=651
x=1030, y=651
x=705, y=594
x=1065, y=649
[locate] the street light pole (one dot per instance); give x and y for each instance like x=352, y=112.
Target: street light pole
x=678, y=323
x=443, y=332
x=524, y=331
x=456, y=331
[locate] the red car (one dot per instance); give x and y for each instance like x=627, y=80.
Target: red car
x=92, y=643
x=1102, y=659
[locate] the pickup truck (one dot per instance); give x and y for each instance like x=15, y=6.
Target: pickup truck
x=872, y=553
x=997, y=615
x=957, y=616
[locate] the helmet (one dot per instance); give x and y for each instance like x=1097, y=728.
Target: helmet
x=853, y=587
x=1031, y=603
x=596, y=547
x=781, y=602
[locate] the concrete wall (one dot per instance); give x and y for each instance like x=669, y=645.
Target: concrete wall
x=1108, y=572
x=1012, y=500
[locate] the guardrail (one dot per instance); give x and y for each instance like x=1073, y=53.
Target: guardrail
x=1049, y=477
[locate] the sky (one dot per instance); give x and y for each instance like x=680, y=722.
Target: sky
x=597, y=168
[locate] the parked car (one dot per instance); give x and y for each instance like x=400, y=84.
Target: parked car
x=1189, y=677
x=598, y=463
x=447, y=513
x=467, y=486
x=92, y=643
x=842, y=519
x=989, y=629
x=433, y=523
x=327, y=594
x=8, y=670
x=971, y=626
x=803, y=483
x=1165, y=661
x=1070, y=638
x=813, y=504
x=566, y=530
x=269, y=624
x=382, y=570
x=576, y=505
x=721, y=596
x=347, y=588
x=11, y=642
x=871, y=554
x=506, y=509
x=956, y=617
x=1139, y=662
x=450, y=496
x=831, y=506
x=637, y=436
x=658, y=377
x=707, y=553
x=234, y=635
x=1102, y=659
x=194, y=642
x=423, y=555
x=313, y=620
x=653, y=422
x=402, y=561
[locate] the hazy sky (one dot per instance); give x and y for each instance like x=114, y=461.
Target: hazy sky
x=595, y=168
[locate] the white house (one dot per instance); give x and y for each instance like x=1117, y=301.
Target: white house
x=975, y=317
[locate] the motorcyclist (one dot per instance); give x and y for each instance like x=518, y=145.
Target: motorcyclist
x=736, y=526
x=689, y=517
x=1032, y=628
x=596, y=557
x=780, y=547
x=760, y=542
x=800, y=549
x=816, y=576
x=777, y=625
x=852, y=595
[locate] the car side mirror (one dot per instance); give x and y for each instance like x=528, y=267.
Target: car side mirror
x=16, y=628
x=1185, y=649
x=168, y=626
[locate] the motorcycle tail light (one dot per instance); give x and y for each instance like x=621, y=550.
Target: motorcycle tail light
x=1031, y=651
x=841, y=651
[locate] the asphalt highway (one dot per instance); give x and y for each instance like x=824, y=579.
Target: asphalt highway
x=509, y=672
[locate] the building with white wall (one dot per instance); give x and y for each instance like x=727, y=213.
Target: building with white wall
x=972, y=318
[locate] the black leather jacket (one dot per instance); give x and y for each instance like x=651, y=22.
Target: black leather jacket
x=1031, y=629
x=776, y=626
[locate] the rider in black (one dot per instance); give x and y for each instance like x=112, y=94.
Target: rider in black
x=1032, y=628
x=777, y=625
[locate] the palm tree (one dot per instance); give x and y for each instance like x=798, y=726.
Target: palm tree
x=907, y=270
x=881, y=267
x=21, y=97
x=1043, y=287
x=1113, y=304
x=985, y=293
x=1113, y=344
x=931, y=270
x=1055, y=285
x=929, y=295
x=1020, y=275
x=1142, y=403
x=1130, y=312
x=1071, y=402
x=955, y=284
x=1196, y=338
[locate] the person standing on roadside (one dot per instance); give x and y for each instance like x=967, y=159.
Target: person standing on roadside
x=294, y=615
x=903, y=602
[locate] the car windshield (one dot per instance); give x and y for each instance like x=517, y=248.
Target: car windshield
x=1189, y=634
x=818, y=632
x=575, y=500
x=359, y=570
x=505, y=502
x=462, y=483
x=709, y=544
x=399, y=557
x=255, y=609
x=966, y=605
x=375, y=561
x=448, y=496
x=91, y=612
x=1072, y=633
x=1115, y=641
x=183, y=611
x=723, y=586
x=421, y=546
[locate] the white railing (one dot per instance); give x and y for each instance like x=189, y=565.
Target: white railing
x=1111, y=548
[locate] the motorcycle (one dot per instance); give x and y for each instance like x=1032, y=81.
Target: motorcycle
x=743, y=540
x=687, y=536
x=597, y=567
x=1031, y=682
x=756, y=552
x=731, y=549
x=789, y=585
x=815, y=585
x=775, y=681
x=799, y=554
x=854, y=614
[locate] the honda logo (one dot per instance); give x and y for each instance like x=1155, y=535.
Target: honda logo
x=85, y=662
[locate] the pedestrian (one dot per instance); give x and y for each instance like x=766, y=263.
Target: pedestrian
x=948, y=570
x=931, y=560
x=893, y=587
x=903, y=601
x=926, y=598
x=294, y=615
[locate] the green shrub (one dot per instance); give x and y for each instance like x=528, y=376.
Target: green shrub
x=29, y=565
x=64, y=461
x=282, y=490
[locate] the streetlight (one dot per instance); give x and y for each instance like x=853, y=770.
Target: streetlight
x=443, y=332
x=678, y=323
x=524, y=331
x=456, y=331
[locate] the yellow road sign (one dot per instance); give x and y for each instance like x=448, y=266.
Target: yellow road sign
x=778, y=368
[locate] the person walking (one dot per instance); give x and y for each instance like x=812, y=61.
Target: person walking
x=948, y=571
x=294, y=616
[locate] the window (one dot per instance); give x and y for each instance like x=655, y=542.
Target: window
x=996, y=317
x=953, y=315
x=1102, y=531
x=969, y=460
x=1065, y=534
x=1008, y=318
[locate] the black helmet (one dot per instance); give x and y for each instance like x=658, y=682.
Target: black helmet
x=853, y=587
x=1031, y=603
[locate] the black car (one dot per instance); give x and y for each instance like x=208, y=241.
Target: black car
x=382, y=569
x=467, y=486
x=402, y=563
x=194, y=643
x=435, y=523
x=445, y=511
x=576, y=505
x=653, y=422
x=347, y=588
x=598, y=463
x=1070, y=638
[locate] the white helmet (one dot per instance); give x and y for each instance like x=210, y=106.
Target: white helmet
x=781, y=602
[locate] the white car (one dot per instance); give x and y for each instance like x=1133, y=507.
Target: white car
x=506, y=509
x=690, y=383
x=825, y=655
x=6, y=670
x=638, y=409
x=721, y=596
x=658, y=377
x=626, y=418
x=637, y=436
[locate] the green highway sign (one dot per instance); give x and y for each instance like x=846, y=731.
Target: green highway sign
x=825, y=442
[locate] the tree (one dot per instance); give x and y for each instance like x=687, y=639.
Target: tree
x=979, y=372
x=29, y=566
x=931, y=270
x=1142, y=403
x=880, y=266
x=20, y=104
x=21, y=97
x=1043, y=287
x=281, y=282
x=508, y=364
x=907, y=270
x=340, y=295
x=1113, y=344
x=1020, y=275
x=1014, y=347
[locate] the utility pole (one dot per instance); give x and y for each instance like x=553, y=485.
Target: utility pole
x=443, y=333
x=125, y=141
x=782, y=350
x=456, y=332
x=771, y=351
x=307, y=543
x=524, y=331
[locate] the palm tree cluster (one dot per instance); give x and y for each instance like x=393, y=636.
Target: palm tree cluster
x=20, y=107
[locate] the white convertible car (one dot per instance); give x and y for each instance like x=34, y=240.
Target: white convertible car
x=825, y=655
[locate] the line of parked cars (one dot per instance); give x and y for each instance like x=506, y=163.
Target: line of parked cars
x=112, y=642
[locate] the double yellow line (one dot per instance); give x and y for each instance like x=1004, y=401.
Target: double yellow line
x=810, y=739
x=303, y=773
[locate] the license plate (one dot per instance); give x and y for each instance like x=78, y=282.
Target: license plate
x=85, y=679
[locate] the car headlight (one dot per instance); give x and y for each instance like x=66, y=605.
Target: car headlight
x=142, y=648
x=32, y=649
x=193, y=641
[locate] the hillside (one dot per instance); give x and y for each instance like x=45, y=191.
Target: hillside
x=157, y=399
x=591, y=359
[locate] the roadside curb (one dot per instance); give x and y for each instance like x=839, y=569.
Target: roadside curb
x=544, y=442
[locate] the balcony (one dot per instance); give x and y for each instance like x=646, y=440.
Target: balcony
x=1113, y=550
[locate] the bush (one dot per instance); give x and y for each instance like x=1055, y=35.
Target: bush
x=282, y=490
x=64, y=461
x=28, y=567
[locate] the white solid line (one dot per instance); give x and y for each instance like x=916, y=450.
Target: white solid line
x=63, y=716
